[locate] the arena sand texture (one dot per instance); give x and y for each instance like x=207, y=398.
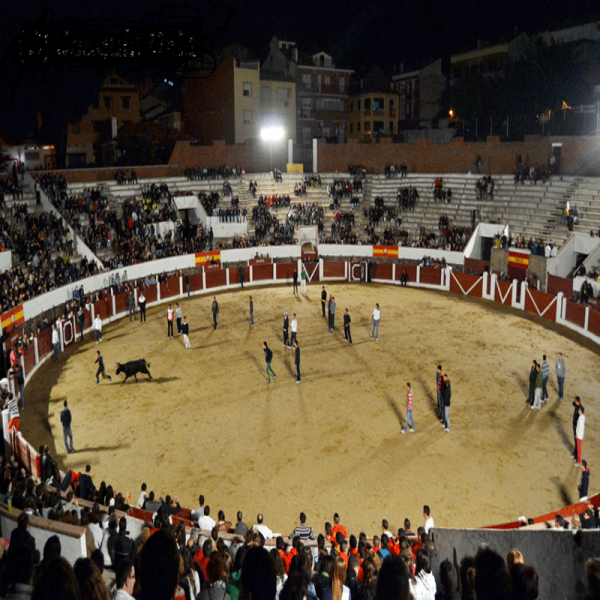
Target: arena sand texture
x=209, y=423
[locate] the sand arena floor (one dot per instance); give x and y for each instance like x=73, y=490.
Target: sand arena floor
x=209, y=423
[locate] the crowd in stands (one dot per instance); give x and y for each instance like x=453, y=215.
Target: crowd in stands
x=407, y=197
x=266, y=223
x=300, y=188
x=313, y=181
x=54, y=185
x=341, y=227
x=484, y=188
x=170, y=561
x=8, y=187
x=440, y=193
x=357, y=170
x=537, y=246
x=123, y=177
x=393, y=171
x=532, y=174
x=451, y=239
x=205, y=173
x=277, y=201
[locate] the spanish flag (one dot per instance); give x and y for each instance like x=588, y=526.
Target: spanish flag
x=13, y=317
x=386, y=251
x=518, y=259
x=203, y=258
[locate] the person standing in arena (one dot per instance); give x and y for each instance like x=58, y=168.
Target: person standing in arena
x=323, y=300
x=100, y=362
x=332, y=315
x=561, y=372
x=545, y=377
x=185, y=330
x=295, y=288
x=579, y=432
x=268, y=358
x=576, y=405
x=131, y=305
x=294, y=328
x=286, y=329
x=297, y=359
x=65, y=419
x=532, y=378
x=178, y=317
x=347, y=321
x=98, y=329
x=142, y=305
x=170, y=318
x=537, y=401
x=303, y=281
x=447, y=399
x=12, y=404
x=375, y=319
x=409, y=410
x=251, y=312
x=215, y=311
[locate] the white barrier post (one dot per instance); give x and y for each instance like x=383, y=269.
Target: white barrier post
x=418, y=274
x=114, y=305
x=559, y=302
x=251, y=268
x=181, y=285
x=587, y=318
x=35, y=351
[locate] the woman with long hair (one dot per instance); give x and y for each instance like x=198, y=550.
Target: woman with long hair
x=369, y=581
x=89, y=578
x=338, y=576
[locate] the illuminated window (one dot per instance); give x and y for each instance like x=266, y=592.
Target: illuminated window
x=247, y=117
x=282, y=94
x=266, y=94
x=247, y=89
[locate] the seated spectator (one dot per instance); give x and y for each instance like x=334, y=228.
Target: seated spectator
x=303, y=531
x=158, y=572
x=492, y=579
x=56, y=580
x=89, y=579
x=259, y=581
x=448, y=582
x=524, y=582
x=392, y=583
x=425, y=586
x=206, y=522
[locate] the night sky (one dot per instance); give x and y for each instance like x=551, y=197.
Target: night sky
x=357, y=34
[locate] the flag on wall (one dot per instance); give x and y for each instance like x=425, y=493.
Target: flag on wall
x=203, y=258
x=386, y=251
x=13, y=317
x=518, y=259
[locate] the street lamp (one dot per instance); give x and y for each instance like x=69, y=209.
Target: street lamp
x=271, y=134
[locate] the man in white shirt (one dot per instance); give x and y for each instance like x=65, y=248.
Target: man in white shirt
x=579, y=432
x=199, y=512
x=98, y=329
x=55, y=344
x=142, y=497
x=294, y=329
x=261, y=528
x=429, y=524
x=375, y=319
x=206, y=522
x=125, y=580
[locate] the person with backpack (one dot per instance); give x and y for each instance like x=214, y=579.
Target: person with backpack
x=269, y=358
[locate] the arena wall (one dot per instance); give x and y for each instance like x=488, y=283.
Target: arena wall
x=213, y=279
x=558, y=556
x=579, y=155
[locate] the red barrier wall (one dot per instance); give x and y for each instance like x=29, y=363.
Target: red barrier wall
x=262, y=272
x=29, y=360
x=150, y=294
x=170, y=288
x=121, y=302
x=575, y=313
x=382, y=271
x=411, y=271
x=478, y=266
x=542, y=301
x=559, y=284
x=502, y=287
x=431, y=275
x=467, y=282
x=334, y=269
x=594, y=322
x=103, y=308
x=285, y=270
x=196, y=282
x=216, y=278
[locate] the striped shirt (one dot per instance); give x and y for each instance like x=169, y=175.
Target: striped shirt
x=303, y=532
x=13, y=408
x=545, y=370
x=409, y=407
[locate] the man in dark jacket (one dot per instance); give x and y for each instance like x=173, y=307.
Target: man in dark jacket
x=352, y=582
x=576, y=405
x=297, y=361
x=124, y=544
x=85, y=483
x=167, y=509
x=532, y=378
x=21, y=537
x=447, y=397
x=585, y=481
x=268, y=358
x=49, y=465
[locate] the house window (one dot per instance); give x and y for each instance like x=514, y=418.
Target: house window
x=125, y=100
x=327, y=79
x=378, y=127
x=351, y=127
x=247, y=117
x=368, y=104
x=247, y=89
x=367, y=127
x=342, y=85
x=266, y=94
x=358, y=104
x=107, y=102
x=75, y=128
x=378, y=104
x=282, y=94
x=306, y=135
